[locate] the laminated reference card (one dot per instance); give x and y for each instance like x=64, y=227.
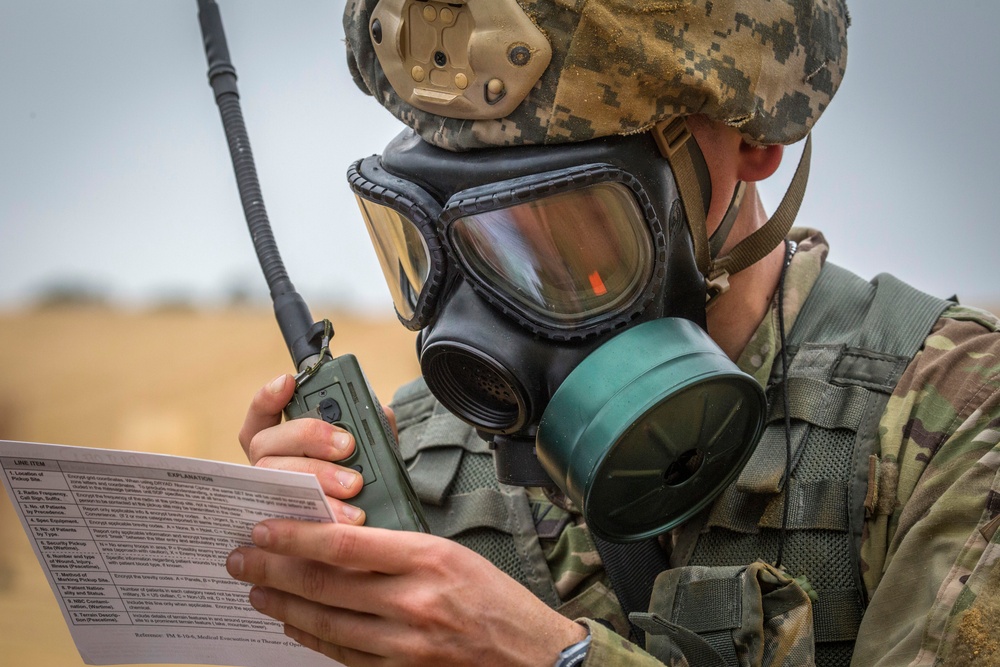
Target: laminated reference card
x=134, y=546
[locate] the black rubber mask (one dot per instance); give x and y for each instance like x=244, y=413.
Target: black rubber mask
x=561, y=313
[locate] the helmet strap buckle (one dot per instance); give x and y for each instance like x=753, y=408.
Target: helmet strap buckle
x=716, y=285
x=671, y=135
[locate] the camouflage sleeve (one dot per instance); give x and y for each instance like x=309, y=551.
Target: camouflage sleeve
x=931, y=541
x=609, y=649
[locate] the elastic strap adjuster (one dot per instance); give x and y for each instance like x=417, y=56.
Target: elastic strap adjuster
x=671, y=135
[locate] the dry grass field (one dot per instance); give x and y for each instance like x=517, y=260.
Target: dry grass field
x=174, y=381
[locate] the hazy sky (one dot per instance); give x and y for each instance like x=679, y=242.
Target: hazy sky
x=114, y=171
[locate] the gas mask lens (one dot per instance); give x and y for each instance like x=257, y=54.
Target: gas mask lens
x=402, y=254
x=568, y=249
x=561, y=259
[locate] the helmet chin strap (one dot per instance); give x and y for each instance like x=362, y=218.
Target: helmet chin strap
x=694, y=184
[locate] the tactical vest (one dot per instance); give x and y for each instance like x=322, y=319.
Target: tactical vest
x=849, y=346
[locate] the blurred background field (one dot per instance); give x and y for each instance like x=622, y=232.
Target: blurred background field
x=170, y=379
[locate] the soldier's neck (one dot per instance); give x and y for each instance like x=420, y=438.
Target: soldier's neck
x=735, y=316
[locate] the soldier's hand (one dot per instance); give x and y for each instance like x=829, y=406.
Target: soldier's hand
x=301, y=445
x=372, y=596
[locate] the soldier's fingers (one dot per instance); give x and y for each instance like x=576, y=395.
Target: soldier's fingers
x=338, y=632
x=336, y=481
x=265, y=408
x=371, y=549
x=341, y=654
x=307, y=437
x=347, y=513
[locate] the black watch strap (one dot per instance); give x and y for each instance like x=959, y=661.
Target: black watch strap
x=574, y=655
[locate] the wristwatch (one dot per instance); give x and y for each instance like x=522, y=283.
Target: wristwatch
x=574, y=655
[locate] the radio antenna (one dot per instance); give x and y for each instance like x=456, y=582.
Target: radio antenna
x=302, y=335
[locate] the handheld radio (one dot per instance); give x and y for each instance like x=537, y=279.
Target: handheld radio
x=332, y=389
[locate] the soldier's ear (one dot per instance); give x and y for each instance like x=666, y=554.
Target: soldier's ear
x=755, y=163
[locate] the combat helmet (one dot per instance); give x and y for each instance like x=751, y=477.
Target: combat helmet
x=469, y=74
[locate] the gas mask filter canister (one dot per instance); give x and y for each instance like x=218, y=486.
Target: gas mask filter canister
x=649, y=428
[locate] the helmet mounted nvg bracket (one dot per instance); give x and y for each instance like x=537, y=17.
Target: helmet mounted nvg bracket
x=462, y=60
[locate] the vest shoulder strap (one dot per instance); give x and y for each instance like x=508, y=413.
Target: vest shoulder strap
x=886, y=315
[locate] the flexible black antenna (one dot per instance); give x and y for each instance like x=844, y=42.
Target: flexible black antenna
x=301, y=334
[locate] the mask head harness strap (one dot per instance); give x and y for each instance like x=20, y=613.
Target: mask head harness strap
x=694, y=184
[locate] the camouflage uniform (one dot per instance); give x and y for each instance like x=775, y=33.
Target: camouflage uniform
x=930, y=538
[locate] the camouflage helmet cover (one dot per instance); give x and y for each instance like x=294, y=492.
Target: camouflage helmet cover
x=766, y=67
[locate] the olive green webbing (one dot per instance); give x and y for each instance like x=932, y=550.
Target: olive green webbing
x=898, y=310
x=834, y=311
x=433, y=459
x=713, y=609
x=765, y=471
x=452, y=472
x=816, y=402
x=482, y=508
x=696, y=649
x=766, y=238
x=690, y=174
x=835, y=616
x=894, y=323
x=815, y=505
x=758, y=244
x=431, y=473
x=718, y=238
x=715, y=626
x=826, y=405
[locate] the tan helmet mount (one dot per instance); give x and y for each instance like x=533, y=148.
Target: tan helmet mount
x=459, y=59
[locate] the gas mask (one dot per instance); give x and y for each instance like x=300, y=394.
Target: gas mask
x=561, y=313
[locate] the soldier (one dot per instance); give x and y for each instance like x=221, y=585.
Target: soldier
x=570, y=220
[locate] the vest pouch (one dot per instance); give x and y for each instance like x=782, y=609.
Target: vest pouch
x=452, y=472
x=745, y=616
